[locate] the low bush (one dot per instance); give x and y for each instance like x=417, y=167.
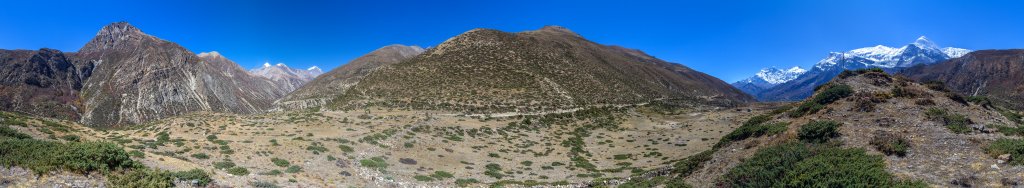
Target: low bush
x=1014, y=147
x=200, y=156
x=140, y=178
x=423, y=178
x=81, y=157
x=293, y=169
x=890, y=144
x=956, y=123
x=8, y=132
x=796, y=164
x=819, y=131
x=466, y=182
x=831, y=93
x=280, y=162
x=374, y=163
x=846, y=167
x=441, y=175
x=144, y=177
x=223, y=165
x=238, y=171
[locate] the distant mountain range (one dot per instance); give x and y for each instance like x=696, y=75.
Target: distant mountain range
x=286, y=77
x=332, y=84
x=921, y=51
x=998, y=74
x=768, y=78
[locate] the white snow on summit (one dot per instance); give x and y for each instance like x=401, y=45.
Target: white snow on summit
x=776, y=76
x=889, y=57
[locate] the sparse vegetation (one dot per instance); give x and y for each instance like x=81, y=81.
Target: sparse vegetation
x=831, y=93
x=890, y=144
x=956, y=123
x=1013, y=147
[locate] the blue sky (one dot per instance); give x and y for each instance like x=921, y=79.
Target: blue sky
x=727, y=39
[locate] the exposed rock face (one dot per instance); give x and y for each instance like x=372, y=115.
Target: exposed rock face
x=43, y=83
x=995, y=73
x=139, y=78
x=288, y=78
x=549, y=68
x=330, y=85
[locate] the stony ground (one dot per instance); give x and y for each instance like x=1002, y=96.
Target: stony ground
x=382, y=148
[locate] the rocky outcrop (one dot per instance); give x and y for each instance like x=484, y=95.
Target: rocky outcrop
x=44, y=83
x=140, y=78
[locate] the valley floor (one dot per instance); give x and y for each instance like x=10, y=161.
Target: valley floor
x=384, y=148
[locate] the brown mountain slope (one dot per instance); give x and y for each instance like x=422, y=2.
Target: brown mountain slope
x=330, y=85
x=995, y=73
x=45, y=83
x=546, y=69
x=139, y=78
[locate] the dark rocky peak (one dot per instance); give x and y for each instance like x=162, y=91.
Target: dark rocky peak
x=116, y=35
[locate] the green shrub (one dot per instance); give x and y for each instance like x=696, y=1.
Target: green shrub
x=293, y=169
x=200, y=156
x=223, y=165
x=8, y=132
x=819, y=131
x=845, y=168
x=374, y=163
x=826, y=96
x=271, y=173
x=346, y=149
x=796, y=164
x=71, y=138
x=1007, y=130
x=263, y=184
x=280, y=162
x=198, y=175
x=144, y=177
x=136, y=154
x=441, y=175
x=890, y=144
x=1014, y=147
x=45, y=156
x=466, y=182
x=767, y=166
x=423, y=178
x=956, y=123
x=806, y=108
x=238, y=171
x=493, y=170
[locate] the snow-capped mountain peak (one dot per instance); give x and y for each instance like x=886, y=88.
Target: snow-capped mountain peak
x=920, y=51
x=281, y=65
x=923, y=43
x=313, y=68
x=955, y=52
x=266, y=64
x=776, y=76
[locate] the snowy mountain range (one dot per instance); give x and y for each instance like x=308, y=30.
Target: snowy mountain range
x=287, y=77
x=767, y=78
x=771, y=84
